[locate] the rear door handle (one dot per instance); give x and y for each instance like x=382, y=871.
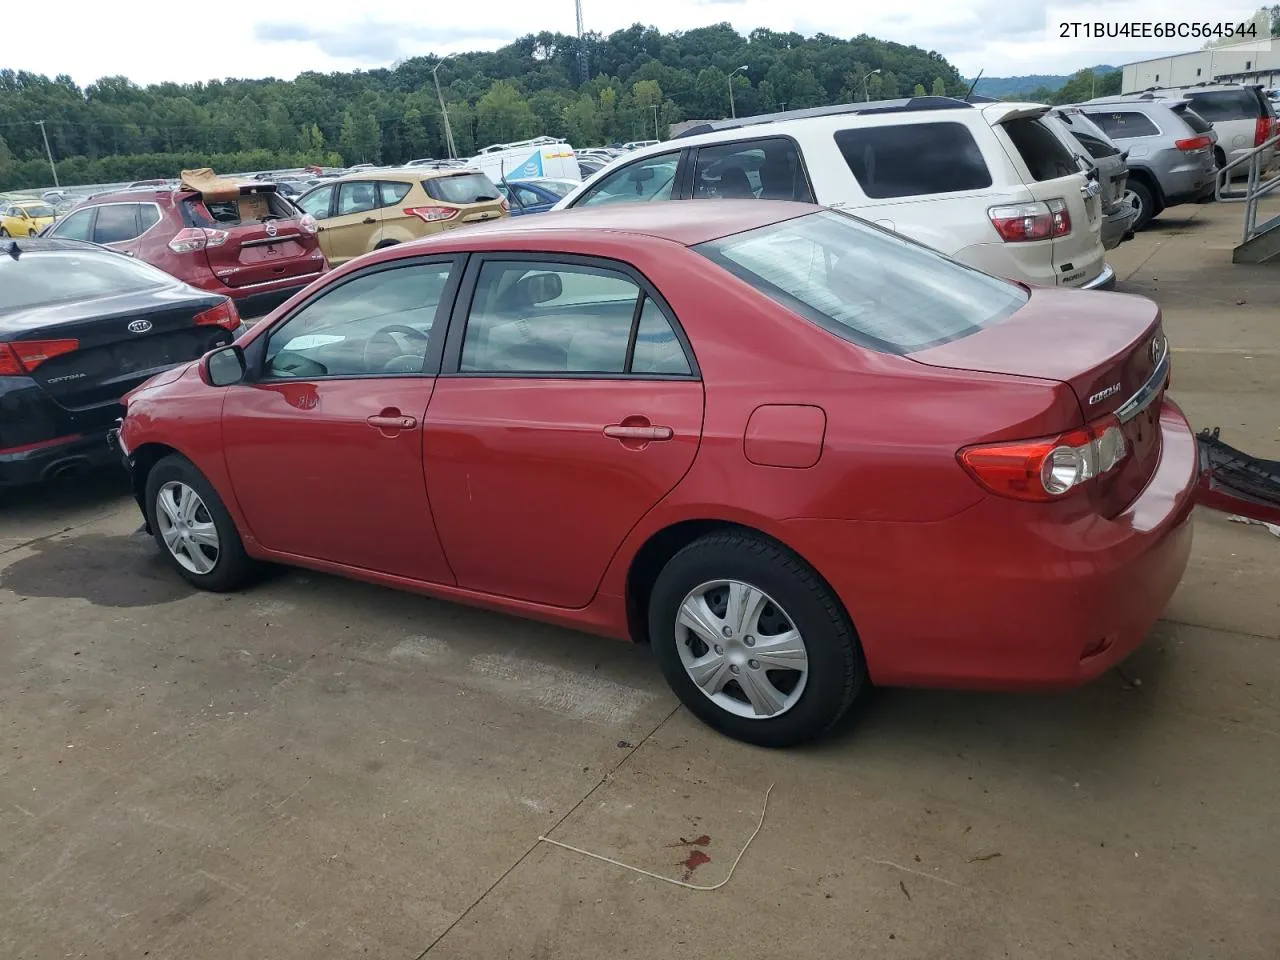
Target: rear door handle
x=392, y=422
x=619, y=431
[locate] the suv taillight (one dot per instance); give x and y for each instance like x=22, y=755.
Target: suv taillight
x=191, y=239
x=432, y=214
x=307, y=224
x=224, y=315
x=1194, y=143
x=1049, y=467
x=23, y=356
x=1264, y=130
x=1022, y=222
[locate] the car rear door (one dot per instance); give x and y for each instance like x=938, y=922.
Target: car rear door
x=567, y=407
x=1053, y=175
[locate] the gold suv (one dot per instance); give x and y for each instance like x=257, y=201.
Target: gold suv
x=377, y=208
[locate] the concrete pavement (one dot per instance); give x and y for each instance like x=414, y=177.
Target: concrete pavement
x=317, y=768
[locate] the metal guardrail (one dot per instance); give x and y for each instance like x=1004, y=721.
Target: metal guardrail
x=1255, y=187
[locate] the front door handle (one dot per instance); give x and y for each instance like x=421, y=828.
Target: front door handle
x=392, y=421
x=646, y=432
x=369, y=220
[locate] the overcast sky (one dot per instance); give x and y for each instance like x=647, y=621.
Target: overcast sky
x=148, y=40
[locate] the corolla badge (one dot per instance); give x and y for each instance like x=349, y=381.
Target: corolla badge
x=140, y=326
x=1105, y=392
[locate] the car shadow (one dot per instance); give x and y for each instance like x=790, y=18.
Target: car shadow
x=55, y=499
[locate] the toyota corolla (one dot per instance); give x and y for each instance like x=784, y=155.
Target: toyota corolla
x=795, y=453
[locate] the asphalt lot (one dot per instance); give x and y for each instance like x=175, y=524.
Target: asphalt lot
x=318, y=768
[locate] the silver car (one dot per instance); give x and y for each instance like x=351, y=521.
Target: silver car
x=1242, y=115
x=1170, y=151
x=1109, y=169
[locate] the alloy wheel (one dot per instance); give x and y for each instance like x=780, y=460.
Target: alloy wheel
x=741, y=649
x=187, y=527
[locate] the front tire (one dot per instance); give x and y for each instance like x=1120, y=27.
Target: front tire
x=753, y=641
x=193, y=529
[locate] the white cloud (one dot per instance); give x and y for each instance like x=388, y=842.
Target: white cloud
x=152, y=42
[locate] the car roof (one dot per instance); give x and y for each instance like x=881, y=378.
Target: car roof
x=688, y=223
x=405, y=174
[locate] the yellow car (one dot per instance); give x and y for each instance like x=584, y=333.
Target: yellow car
x=25, y=218
x=377, y=208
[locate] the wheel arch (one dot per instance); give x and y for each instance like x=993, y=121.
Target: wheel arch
x=142, y=461
x=664, y=543
x=1150, y=181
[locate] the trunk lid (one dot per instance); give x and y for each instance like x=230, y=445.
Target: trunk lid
x=264, y=237
x=472, y=194
x=123, y=341
x=1108, y=348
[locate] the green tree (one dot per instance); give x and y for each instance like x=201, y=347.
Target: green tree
x=582, y=123
x=361, y=137
x=919, y=91
x=416, y=136
x=502, y=114
x=939, y=87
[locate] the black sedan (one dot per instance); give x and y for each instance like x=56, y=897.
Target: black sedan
x=80, y=326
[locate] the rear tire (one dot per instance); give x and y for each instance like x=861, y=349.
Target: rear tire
x=193, y=529
x=776, y=658
x=1141, y=198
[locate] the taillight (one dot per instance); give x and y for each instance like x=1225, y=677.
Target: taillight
x=23, y=356
x=1023, y=222
x=223, y=315
x=1194, y=143
x=307, y=224
x=432, y=214
x=191, y=239
x=1264, y=130
x=1049, y=467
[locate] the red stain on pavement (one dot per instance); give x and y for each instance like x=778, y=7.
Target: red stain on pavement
x=696, y=859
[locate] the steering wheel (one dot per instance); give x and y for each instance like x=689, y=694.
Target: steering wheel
x=388, y=350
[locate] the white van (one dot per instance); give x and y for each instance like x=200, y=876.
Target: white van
x=527, y=160
x=988, y=184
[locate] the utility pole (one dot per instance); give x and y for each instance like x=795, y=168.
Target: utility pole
x=444, y=111
x=656, y=134
x=49, y=153
x=733, y=110
x=582, y=45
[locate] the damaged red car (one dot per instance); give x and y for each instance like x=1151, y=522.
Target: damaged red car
x=795, y=453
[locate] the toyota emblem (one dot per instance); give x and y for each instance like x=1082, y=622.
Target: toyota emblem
x=271, y=228
x=140, y=326
x=1156, y=349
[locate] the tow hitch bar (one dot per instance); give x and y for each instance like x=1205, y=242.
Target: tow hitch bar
x=1234, y=482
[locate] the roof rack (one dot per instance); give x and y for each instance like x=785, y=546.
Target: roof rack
x=535, y=142
x=875, y=106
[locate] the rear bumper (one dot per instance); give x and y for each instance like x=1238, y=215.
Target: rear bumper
x=1117, y=226
x=1103, y=281
x=1002, y=597
x=1202, y=192
x=38, y=463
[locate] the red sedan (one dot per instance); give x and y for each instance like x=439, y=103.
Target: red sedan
x=793, y=452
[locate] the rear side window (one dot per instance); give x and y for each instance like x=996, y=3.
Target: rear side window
x=751, y=170
x=1219, y=105
x=1193, y=120
x=357, y=196
x=902, y=160
x=1125, y=124
x=463, y=188
x=1046, y=157
x=116, y=223
x=148, y=217
x=392, y=192
x=865, y=285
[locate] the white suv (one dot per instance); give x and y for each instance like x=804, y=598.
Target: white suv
x=988, y=184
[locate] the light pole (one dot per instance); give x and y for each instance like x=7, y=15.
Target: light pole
x=444, y=111
x=865, y=95
x=48, y=153
x=656, y=134
x=733, y=110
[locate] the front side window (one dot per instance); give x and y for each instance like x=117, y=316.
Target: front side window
x=373, y=325
x=75, y=226
x=902, y=160
x=116, y=223
x=649, y=179
x=317, y=202
x=866, y=285
x=1124, y=124
x=559, y=318
x=751, y=170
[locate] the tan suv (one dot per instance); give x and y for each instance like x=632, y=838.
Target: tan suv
x=376, y=208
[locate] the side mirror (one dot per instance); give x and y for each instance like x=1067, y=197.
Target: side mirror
x=223, y=367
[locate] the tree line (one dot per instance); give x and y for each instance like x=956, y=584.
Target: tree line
x=628, y=85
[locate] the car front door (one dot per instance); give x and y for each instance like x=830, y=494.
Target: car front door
x=356, y=224
x=569, y=404
x=324, y=440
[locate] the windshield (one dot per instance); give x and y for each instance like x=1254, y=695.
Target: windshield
x=40, y=277
x=461, y=188
x=864, y=284
x=38, y=211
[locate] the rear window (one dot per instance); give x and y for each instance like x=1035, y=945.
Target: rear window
x=1124, y=124
x=1046, y=156
x=1193, y=120
x=1219, y=105
x=244, y=209
x=461, y=188
x=41, y=277
x=1095, y=147
x=902, y=160
x=866, y=285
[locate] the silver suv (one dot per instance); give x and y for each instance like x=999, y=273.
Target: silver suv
x=1242, y=115
x=1107, y=162
x=1170, y=151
